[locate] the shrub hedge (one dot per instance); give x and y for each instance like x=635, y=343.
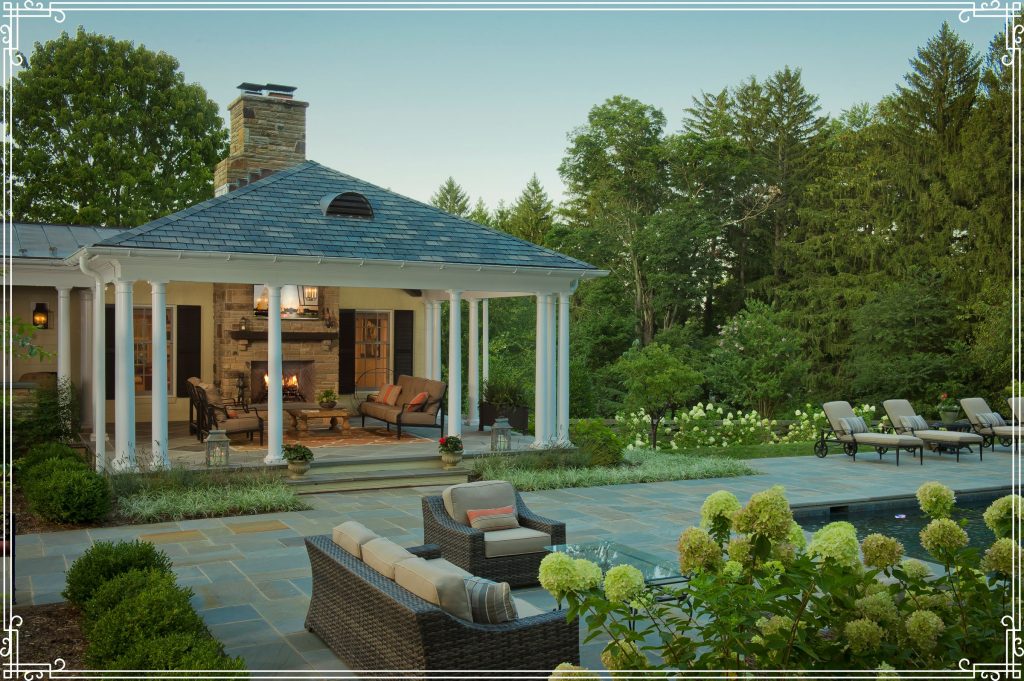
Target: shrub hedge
x=45, y=451
x=136, y=616
x=66, y=491
x=597, y=441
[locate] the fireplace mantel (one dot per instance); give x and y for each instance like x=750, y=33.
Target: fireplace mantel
x=286, y=336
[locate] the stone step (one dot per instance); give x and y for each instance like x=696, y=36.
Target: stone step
x=316, y=482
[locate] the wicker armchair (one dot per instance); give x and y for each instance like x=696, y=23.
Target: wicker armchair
x=372, y=623
x=464, y=546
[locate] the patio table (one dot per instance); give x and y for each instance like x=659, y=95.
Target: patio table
x=301, y=417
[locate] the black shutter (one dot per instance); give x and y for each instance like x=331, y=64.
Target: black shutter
x=346, y=352
x=108, y=340
x=403, y=343
x=189, y=344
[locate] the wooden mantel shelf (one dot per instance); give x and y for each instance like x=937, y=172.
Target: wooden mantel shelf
x=286, y=336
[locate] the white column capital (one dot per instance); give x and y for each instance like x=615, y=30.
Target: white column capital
x=157, y=283
x=64, y=290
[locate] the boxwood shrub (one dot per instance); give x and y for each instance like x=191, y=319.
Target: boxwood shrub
x=67, y=491
x=597, y=441
x=106, y=560
x=177, y=651
x=110, y=594
x=46, y=451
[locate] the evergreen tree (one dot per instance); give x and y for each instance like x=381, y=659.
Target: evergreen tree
x=532, y=213
x=451, y=198
x=480, y=214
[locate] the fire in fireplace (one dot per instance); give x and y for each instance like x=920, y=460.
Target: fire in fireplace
x=298, y=382
x=289, y=387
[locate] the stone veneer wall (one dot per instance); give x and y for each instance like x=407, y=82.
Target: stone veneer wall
x=232, y=302
x=267, y=134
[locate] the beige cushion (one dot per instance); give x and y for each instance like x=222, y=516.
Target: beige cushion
x=379, y=410
x=383, y=554
x=887, y=440
x=1016, y=407
x=973, y=406
x=991, y=419
x=515, y=542
x=442, y=564
x=412, y=386
x=525, y=609
x=473, y=495
x=351, y=536
x=949, y=436
x=853, y=425
x=1008, y=431
x=914, y=423
x=435, y=584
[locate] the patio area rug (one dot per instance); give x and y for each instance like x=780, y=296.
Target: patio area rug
x=322, y=437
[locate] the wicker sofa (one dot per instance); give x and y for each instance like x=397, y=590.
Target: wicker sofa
x=371, y=622
x=511, y=556
x=430, y=416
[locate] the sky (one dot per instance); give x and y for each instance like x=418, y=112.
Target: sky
x=405, y=99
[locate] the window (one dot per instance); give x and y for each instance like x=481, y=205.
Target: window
x=297, y=302
x=142, y=327
x=373, y=349
x=347, y=205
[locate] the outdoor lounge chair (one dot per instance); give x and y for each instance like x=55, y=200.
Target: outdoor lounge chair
x=847, y=429
x=1016, y=408
x=988, y=423
x=512, y=555
x=230, y=420
x=905, y=421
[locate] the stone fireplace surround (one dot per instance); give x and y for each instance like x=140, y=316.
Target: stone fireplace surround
x=237, y=358
x=303, y=370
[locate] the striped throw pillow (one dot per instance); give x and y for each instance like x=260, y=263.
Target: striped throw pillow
x=853, y=424
x=991, y=419
x=388, y=394
x=490, y=602
x=914, y=422
x=417, y=403
x=487, y=519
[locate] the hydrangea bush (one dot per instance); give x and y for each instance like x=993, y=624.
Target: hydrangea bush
x=711, y=425
x=759, y=597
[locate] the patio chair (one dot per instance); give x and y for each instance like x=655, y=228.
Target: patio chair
x=221, y=417
x=849, y=430
x=1017, y=409
x=509, y=555
x=905, y=421
x=989, y=424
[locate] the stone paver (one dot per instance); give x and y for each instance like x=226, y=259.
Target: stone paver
x=251, y=575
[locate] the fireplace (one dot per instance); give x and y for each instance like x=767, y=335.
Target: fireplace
x=298, y=381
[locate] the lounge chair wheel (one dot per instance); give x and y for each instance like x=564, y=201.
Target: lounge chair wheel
x=881, y=450
x=820, y=449
x=850, y=448
x=1005, y=441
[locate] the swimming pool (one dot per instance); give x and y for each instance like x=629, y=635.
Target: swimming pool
x=907, y=528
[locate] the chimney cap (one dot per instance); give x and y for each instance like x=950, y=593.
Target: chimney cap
x=271, y=88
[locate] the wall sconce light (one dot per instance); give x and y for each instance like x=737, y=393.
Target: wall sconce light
x=243, y=324
x=310, y=294
x=41, y=316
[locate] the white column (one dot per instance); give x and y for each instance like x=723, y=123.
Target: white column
x=485, y=341
x=124, y=378
x=85, y=377
x=63, y=333
x=562, y=435
x=159, y=347
x=551, y=374
x=540, y=394
x=275, y=413
x=437, y=341
x=455, y=363
x=473, y=380
x=99, y=375
x=428, y=338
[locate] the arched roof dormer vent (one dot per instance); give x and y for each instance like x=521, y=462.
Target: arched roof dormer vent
x=347, y=205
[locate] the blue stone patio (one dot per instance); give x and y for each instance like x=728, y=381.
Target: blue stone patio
x=251, y=575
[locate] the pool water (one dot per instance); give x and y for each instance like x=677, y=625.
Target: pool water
x=908, y=528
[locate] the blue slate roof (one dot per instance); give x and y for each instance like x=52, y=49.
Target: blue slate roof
x=40, y=240
x=281, y=215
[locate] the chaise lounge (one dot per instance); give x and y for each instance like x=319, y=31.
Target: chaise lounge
x=906, y=421
x=989, y=424
x=849, y=430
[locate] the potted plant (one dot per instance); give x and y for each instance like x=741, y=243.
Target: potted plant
x=328, y=399
x=948, y=409
x=504, y=398
x=450, y=448
x=298, y=457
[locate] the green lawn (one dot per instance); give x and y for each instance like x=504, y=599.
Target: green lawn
x=755, y=451
x=639, y=466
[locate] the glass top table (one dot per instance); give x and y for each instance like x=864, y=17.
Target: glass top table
x=608, y=554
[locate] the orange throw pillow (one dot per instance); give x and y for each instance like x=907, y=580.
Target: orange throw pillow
x=487, y=519
x=389, y=394
x=417, y=403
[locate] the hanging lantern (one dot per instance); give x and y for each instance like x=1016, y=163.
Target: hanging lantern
x=217, y=449
x=501, y=436
x=41, y=316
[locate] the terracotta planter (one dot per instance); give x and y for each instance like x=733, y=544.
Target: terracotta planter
x=297, y=469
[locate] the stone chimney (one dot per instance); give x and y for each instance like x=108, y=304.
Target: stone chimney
x=268, y=133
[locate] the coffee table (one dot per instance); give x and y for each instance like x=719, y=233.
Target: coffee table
x=608, y=554
x=301, y=417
